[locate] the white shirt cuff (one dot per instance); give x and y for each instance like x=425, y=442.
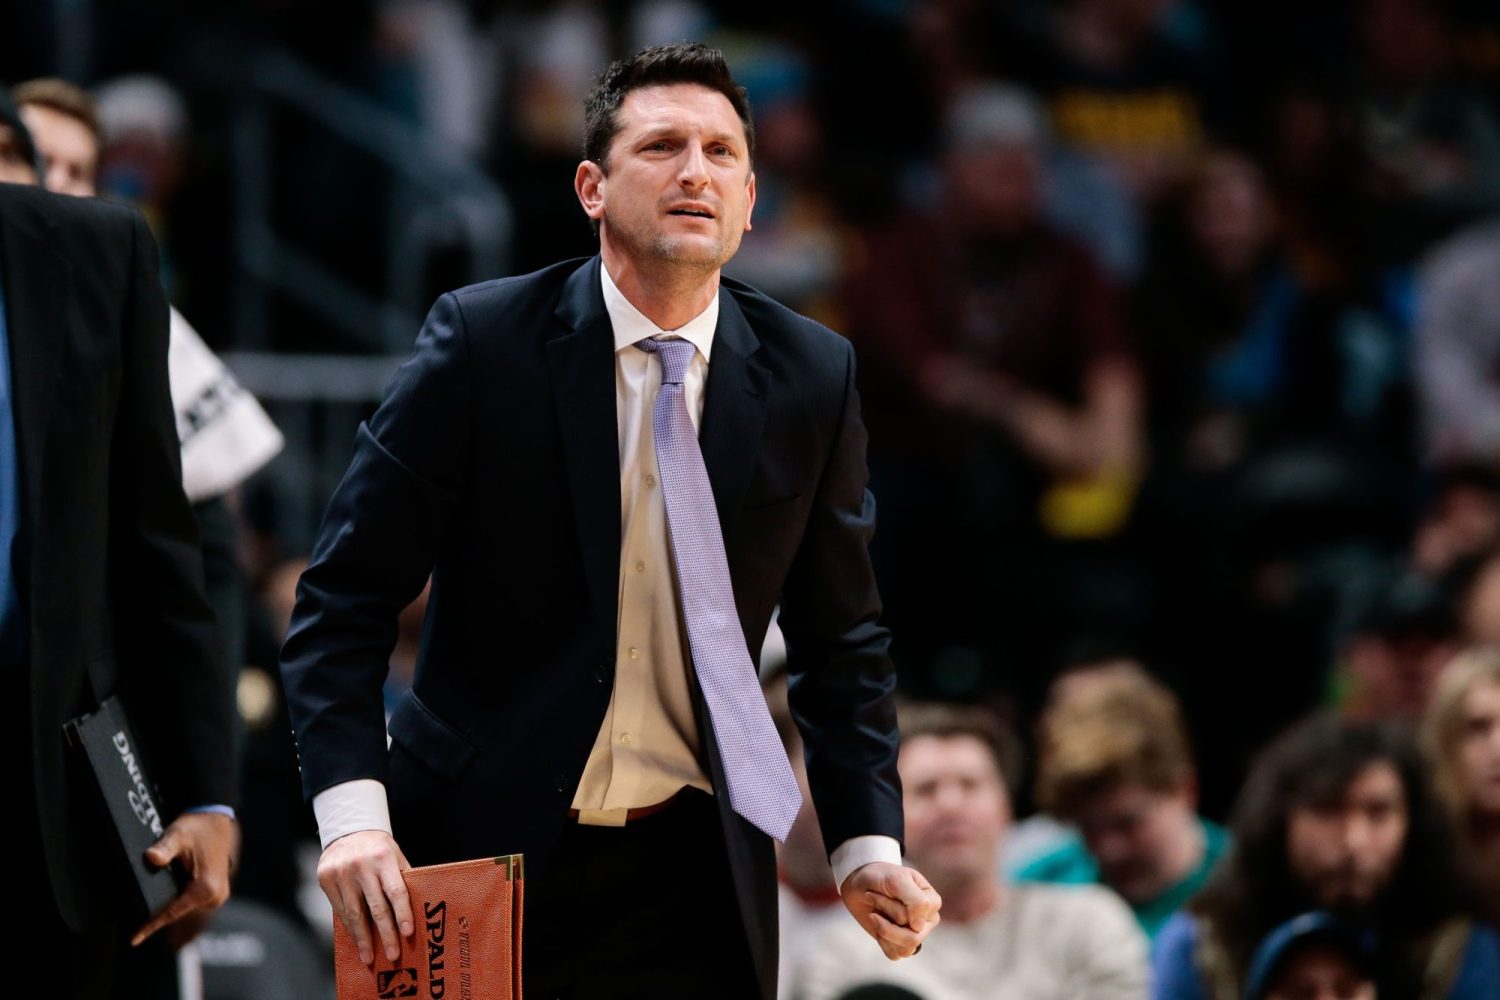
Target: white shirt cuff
x=856, y=852
x=350, y=807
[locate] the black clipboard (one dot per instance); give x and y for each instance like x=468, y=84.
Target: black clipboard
x=134, y=805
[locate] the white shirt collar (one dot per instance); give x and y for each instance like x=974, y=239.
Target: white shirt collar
x=631, y=324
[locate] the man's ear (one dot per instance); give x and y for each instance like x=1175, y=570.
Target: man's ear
x=588, y=184
x=750, y=208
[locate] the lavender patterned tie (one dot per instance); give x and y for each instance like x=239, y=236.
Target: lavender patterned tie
x=762, y=787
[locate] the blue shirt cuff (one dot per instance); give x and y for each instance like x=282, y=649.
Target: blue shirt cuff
x=221, y=810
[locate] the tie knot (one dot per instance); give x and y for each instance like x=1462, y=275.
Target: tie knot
x=675, y=356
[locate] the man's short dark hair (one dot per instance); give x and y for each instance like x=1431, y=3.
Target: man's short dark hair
x=946, y=722
x=658, y=66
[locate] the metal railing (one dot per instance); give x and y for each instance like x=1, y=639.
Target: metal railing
x=318, y=402
x=436, y=195
x=436, y=199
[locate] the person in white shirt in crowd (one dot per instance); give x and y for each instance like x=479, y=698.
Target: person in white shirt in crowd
x=959, y=768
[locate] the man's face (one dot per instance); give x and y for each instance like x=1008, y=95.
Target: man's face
x=1143, y=840
x=957, y=809
x=1479, y=748
x=1395, y=674
x=67, y=148
x=1320, y=972
x=679, y=189
x=1346, y=852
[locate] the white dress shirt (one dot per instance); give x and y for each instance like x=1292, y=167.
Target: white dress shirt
x=647, y=747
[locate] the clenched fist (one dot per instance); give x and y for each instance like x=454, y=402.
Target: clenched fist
x=895, y=904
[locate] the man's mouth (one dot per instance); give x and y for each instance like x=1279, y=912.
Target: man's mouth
x=695, y=213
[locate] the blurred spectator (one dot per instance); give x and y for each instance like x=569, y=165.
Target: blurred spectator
x=958, y=769
x=1431, y=143
x=143, y=124
x=1219, y=308
x=1123, y=88
x=1336, y=815
x=1241, y=355
x=1461, y=522
x=1461, y=734
x=1458, y=347
x=17, y=154
x=1022, y=299
x=982, y=312
x=1040, y=833
x=65, y=125
x=1114, y=759
x=1396, y=649
x=1314, y=956
x=1000, y=389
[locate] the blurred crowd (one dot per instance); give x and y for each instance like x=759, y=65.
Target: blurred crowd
x=1178, y=324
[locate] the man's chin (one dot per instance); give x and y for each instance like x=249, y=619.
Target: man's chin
x=1346, y=900
x=1134, y=891
x=693, y=251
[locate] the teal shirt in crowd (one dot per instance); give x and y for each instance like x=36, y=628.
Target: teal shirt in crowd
x=1071, y=864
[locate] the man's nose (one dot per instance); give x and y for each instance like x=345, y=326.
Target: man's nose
x=694, y=173
x=1357, y=832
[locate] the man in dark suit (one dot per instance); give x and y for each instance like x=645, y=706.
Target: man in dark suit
x=601, y=569
x=100, y=579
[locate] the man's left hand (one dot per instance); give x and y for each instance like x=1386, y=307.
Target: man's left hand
x=894, y=904
x=205, y=845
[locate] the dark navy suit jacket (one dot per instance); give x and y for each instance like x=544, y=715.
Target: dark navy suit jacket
x=106, y=564
x=493, y=465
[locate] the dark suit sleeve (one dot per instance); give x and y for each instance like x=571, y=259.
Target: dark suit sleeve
x=840, y=675
x=373, y=555
x=171, y=672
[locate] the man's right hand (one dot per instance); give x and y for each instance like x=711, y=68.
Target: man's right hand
x=361, y=875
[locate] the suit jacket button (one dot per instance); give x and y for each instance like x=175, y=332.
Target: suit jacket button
x=602, y=674
x=562, y=783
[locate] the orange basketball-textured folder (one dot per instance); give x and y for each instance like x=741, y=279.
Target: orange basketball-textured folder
x=467, y=944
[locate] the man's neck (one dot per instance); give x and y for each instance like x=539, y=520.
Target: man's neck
x=666, y=295
x=1484, y=828
x=966, y=903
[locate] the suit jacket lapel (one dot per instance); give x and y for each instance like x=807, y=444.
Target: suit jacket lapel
x=36, y=279
x=734, y=410
x=581, y=360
